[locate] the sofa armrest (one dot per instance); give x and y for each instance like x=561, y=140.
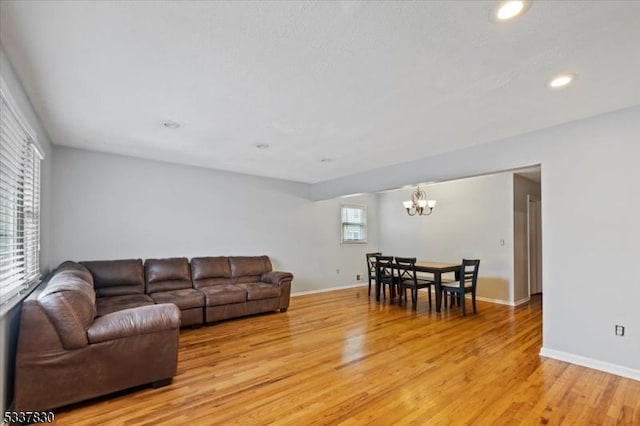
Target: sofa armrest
x=134, y=321
x=276, y=277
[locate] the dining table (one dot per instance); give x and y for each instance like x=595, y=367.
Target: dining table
x=435, y=268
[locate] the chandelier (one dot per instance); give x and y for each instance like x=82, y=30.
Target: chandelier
x=419, y=204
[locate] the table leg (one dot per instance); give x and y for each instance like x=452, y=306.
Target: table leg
x=392, y=287
x=377, y=283
x=438, y=280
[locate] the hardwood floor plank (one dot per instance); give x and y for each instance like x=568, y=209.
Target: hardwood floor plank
x=342, y=358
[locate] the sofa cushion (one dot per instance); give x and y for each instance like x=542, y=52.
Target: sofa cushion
x=106, y=305
x=69, y=303
x=134, y=322
x=167, y=274
x=224, y=294
x=257, y=291
x=185, y=298
x=117, y=277
x=76, y=269
x=248, y=269
x=209, y=271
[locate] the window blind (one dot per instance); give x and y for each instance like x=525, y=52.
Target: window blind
x=19, y=204
x=354, y=224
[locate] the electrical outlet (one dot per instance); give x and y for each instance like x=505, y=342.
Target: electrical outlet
x=619, y=330
x=358, y=277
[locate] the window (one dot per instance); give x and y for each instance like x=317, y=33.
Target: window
x=19, y=202
x=354, y=224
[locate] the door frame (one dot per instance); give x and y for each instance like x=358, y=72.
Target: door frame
x=530, y=198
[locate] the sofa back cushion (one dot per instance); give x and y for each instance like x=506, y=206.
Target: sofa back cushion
x=77, y=270
x=248, y=269
x=209, y=271
x=69, y=303
x=117, y=277
x=167, y=274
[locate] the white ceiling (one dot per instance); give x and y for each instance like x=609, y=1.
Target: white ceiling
x=368, y=84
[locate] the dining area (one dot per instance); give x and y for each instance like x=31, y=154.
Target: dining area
x=446, y=282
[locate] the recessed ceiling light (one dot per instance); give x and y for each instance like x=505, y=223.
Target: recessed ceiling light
x=326, y=160
x=562, y=80
x=509, y=9
x=171, y=124
x=262, y=146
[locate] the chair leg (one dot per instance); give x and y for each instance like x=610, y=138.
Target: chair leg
x=369, y=287
x=473, y=300
x=429, y=296
x=461, y=301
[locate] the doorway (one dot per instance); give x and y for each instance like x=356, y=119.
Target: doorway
x=534, y=245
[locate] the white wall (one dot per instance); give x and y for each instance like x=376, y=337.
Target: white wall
x=591, y=238
x=9, y=322
x=470, y=219
x=590, y=226
x=114, y=207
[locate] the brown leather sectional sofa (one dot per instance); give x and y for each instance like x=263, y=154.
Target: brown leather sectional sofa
x=103, y=326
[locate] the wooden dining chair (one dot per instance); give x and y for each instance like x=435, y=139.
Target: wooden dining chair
x=407, y=278
x=371, y=267
x=387, y=276
x=467, y=281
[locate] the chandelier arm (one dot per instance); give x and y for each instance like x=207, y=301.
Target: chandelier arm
x=416, y=209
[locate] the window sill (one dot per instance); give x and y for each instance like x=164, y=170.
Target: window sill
x=10, y=304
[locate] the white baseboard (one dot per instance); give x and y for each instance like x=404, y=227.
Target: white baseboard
x=618, y=370
x=521, y=301
x=324, y=290
x=487, y=299
x=500, y=301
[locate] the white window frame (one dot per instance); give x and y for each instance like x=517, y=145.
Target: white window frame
x=343, y=223
x=20, y=157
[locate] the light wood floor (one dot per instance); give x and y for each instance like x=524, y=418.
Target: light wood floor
x=341, y=358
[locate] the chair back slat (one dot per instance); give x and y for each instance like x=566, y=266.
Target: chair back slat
x=406, y=267
x=385, y=265
x=371, y=261
x=469, y=272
